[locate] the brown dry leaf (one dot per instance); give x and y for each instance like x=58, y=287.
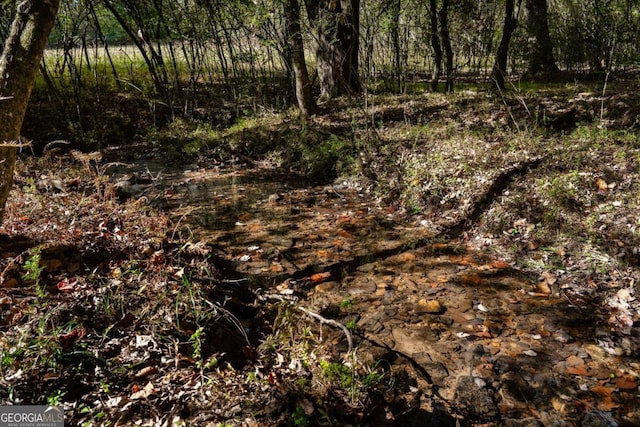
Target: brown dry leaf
x=319, y=277
x=68, y=340
x=407, y=257
x=145, y=372
x=471, y=279
x=147, y=391
x=577, y=370
x=602, y=185
x=574, y=360
x=276, y=267
x=255, y=227
x=602, y=391
x=532, y=246
x=607, y=404
x=439, y=246
x=627, y=382
x=544, y=288
x=499, y=264
x=558, y=404
x=344, y=218
x=462, y=259
x=549, y=277
x=53, y=264
x=344, y=233
x=10, y=283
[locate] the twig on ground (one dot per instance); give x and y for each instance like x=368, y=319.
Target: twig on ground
x=330, y=322
x=318, y=317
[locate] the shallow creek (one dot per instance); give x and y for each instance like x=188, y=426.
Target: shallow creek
x=471, y=333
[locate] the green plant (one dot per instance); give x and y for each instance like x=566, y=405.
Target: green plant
x=346, y=303
x=339, y=372
x=299, y=418
x=33, y=270
x=55, y=398
x=105, y=387
x=196, y=342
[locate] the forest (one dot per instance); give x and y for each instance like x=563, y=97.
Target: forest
x=321, y=212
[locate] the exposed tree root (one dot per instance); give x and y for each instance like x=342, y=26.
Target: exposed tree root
x=499, y=184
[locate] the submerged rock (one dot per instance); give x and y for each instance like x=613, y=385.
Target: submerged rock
x=473, y=401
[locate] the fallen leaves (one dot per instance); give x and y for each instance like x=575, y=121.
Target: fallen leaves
x=146, y=372
x=319, y=277
x=69, y=339
x=144, y=393
x=601, y=185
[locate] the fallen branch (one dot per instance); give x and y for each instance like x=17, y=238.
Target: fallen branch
x=318, y=317
x=15, y=144
x=330, y=322
x=499, y=184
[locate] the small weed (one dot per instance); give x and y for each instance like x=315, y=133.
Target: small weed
x=338, y=372
x=33, y=270
x=55, y=398
x=346, y=303
x=196, y=339
x=105, y=387
x=299, y=418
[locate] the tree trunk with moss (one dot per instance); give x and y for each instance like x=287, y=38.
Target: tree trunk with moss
x=19, y=62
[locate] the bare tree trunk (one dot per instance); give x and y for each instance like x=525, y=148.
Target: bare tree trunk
x=349, y=36
x=446, y=43
x=394, y=29
x=151, y=60
x=500, y=66
x=296, y=46
x=435, y=46
x=541, y=58
x=19, y=62
x=337, y=27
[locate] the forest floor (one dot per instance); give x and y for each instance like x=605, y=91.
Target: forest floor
x=474, y=263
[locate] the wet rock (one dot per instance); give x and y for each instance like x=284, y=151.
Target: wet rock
x=400, y=259
x=527, y=422
x=437, y=371
x=597, y=419
x=429, y=306
x=420, y=418
x=516, y=387
x=366, y=268
x=408, y=342
x=371, y=322
x=474, y=402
